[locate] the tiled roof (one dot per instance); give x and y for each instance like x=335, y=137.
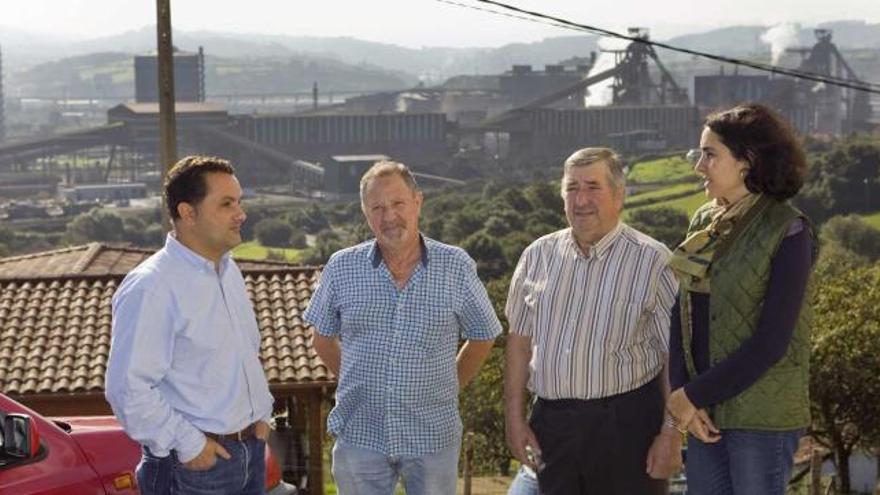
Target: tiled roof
x=55, y=332
x=94, y=259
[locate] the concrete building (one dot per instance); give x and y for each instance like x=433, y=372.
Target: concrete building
x=523, y=84
x=342, y=174
x=104, y=192
x=189, y=77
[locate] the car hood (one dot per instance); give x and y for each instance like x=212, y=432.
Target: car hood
x=80, y=424
x=104, y=443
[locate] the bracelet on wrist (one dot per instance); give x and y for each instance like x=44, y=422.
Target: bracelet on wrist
x=673, y=422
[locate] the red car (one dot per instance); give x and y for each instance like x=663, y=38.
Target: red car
x=77, y=456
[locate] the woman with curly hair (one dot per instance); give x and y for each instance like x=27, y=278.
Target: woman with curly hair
x=739, y=342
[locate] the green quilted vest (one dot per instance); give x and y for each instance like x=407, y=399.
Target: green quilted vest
x=779, y=400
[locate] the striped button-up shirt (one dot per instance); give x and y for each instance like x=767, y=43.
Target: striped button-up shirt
x=398, y=383
x=598, y=321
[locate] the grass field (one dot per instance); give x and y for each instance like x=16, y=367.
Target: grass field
x=873, y=219
x=674, y=169
x=687, y=205
x=661, y=192
x=254, y=251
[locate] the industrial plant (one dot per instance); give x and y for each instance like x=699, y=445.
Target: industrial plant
x=525, y=117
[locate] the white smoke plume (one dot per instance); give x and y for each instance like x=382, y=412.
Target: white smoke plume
x=780, y=37
x=600, y=93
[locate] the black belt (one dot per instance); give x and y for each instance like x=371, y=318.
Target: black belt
x=599, y=401
x=247, y=433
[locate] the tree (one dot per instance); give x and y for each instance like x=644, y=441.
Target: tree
x=327, y=242
x=835, y=260
x=665, y=224
x=298, y=239
x=843, y=180
x=496, y=226
x=545, y=194
x=491, y=189
x=482, y=404
x=141, y=232
x=254, y=215
x=153, y=235
x=433, y=226
x=513, y=198
x=845, y=374
x=482, y=412
x=544, y=221
x=7, y=238
x=513, y=245
x=854, y=167
x=97, y=225
x=852, y=233
x=273, y=232
x=312, y=219
x=461, y=224
x=487, y=252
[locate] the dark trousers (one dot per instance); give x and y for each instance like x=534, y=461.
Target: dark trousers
x=243, y=474
x=600, y=446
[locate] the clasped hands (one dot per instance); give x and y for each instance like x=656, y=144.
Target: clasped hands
x=684, y=416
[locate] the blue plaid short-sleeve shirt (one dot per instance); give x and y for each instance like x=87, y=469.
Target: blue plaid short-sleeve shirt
x=398, y=384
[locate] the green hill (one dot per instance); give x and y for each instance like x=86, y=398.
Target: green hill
x=662, y=170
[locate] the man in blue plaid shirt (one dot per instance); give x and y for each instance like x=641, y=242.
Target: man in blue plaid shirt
x=389, y=314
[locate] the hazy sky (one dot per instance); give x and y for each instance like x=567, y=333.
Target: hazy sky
x=419, y=22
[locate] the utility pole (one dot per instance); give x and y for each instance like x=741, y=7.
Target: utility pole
x=167, y=120
x=2, y=114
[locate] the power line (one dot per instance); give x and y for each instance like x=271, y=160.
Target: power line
x=541, y=18
x=507, y=14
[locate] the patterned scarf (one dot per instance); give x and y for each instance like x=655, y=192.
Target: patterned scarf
x=692, y=258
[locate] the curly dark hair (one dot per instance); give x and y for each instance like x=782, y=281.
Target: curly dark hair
x=757, y=134
x=185, y=182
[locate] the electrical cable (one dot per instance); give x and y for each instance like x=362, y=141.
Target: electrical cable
x=541, y=18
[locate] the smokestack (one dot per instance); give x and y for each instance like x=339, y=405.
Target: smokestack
x=315, y=95
x=201, y=96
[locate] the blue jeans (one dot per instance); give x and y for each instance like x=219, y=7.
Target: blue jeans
x=360, y=471
x=525, y=483
x=243, y=474
x=743, y=462
x=154, y=474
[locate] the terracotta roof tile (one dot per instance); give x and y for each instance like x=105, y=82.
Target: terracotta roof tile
x=94, y=259
x=55, y=324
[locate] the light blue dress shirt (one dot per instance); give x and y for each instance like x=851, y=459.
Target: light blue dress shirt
x=184, y=354
x=398, y=383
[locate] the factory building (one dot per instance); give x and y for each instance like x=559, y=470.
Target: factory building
x=189, y=77
x=812, y=107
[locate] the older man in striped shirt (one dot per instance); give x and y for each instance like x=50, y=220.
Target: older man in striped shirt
x=589, y=315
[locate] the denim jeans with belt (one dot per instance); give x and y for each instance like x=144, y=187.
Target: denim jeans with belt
x=243, y=474
x=360, y=471
x=743, y=462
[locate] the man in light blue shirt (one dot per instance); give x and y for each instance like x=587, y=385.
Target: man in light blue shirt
x=389, y=314
x=184, y=376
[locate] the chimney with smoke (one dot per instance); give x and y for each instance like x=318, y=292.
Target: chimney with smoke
x=780, y=37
